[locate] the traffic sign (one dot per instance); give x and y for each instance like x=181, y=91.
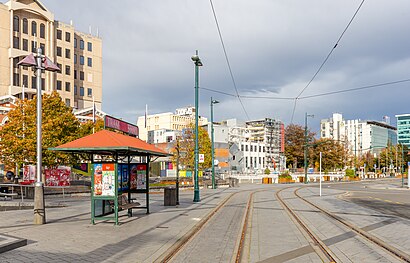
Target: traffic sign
x=201, y=158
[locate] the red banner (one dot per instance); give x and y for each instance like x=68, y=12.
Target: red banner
x=58, y=176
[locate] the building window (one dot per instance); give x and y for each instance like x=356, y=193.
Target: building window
x=59, y=34
x=67, y=36
x=25, y=26
x=81, y=60
x=81, y=91
x=67, y=53
x=34, y=46
x=16, y=24
x=33, y=28
x=67, y=102
x=59, y=51
x=67, y=70
x=68, y=86
x=90, y=62
x=246, y=147
x=33, y=82
x=75, y=74
x=43, y=83
x=75, y=42
x=59, y=66
x=16, y=42
x=25, y=80
x=89, y=46
x=16, y=79
x=42, y=31
x=58, y=86
x=89, y=92
x=81, y=44
x=43, y=48
x=81, y=75
x=75, y=58
x=75, y=89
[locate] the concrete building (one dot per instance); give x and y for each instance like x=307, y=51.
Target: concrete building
x=360, y=136
x=403, y=129
x=257, y=145
x=177, y=121
x=26, y=25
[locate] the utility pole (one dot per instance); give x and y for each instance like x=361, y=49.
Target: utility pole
x=306, y=144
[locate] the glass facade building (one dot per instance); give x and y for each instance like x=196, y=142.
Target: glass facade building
x=403, y=129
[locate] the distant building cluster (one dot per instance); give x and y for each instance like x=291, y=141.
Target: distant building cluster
x=248, y=147
x=361, y=136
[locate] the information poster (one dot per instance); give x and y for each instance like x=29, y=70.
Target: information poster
x=141, y=176
x=104, y=179
x=59, y=176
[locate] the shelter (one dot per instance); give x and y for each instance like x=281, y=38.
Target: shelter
x=120, y=167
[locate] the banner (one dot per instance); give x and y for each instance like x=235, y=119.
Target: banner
x=29, y=174
x=59, y=176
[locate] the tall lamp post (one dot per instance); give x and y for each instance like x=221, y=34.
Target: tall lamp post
x=197, y=61
x=306, y=143
x=39, y=62
x=212, y=139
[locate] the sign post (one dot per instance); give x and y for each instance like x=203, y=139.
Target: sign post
x=320, y=174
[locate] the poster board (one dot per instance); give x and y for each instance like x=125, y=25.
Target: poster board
x=29, y=174
x=138, y=176
x=104, y=180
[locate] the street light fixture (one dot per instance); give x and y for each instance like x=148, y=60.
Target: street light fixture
x=39, y=62
x=212, y=138
x=306, y=143
x=198, y=63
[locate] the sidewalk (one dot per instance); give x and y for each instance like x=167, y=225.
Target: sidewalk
x=69, y=235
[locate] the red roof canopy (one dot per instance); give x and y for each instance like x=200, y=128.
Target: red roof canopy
x=108, y=141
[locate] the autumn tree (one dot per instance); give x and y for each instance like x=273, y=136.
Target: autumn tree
x=294, y=144
x=19, y=134
x=334, y=154
x=185, y=147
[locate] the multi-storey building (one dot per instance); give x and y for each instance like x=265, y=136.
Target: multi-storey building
x=360, y=136
x=27, y=25
x=257, y=145
x=177, y=121
x=403, y=129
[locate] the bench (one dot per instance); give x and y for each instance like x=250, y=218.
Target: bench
x=8, y=194
x=125, y=204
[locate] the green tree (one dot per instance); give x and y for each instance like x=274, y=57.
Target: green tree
x=185, y=147
x=294, y=144
x=19, y=134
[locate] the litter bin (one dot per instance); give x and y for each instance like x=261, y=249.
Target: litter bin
x=170, y=196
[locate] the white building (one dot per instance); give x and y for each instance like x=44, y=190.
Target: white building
x=360, y=136
x=177, y=121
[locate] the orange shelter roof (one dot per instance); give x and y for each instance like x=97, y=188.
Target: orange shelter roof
x=106, y=141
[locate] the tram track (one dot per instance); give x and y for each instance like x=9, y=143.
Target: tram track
x=365, y=234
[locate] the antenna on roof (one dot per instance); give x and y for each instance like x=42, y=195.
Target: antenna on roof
x=97, y=32
x=90, y=30
x=71, y=22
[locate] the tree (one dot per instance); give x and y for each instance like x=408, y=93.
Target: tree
x=294, y=144
x=19, y=134
x=334, y=154
x=185, y=147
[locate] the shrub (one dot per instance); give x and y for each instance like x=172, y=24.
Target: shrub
x=267, y=171
x=350, y=173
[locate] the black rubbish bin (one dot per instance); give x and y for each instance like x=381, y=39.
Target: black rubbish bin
x=170, y=196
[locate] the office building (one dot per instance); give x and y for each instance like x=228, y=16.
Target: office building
x=26, y=25
x=403, y=129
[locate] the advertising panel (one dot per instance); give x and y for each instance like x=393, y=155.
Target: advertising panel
x=29, y=174
x=138, y=176
x=104, y=179
x=59, y=176
x=122, y=177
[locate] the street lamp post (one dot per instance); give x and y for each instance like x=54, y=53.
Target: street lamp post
x=198, y=63
x=306, y=144
x=212, y=138
x=39, y=62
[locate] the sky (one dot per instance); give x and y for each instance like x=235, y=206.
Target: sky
x=274, y=48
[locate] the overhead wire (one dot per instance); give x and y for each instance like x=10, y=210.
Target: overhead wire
x=227, y=60
x=326, y=59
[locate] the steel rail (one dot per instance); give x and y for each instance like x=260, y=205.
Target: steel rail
x=395, y=251
x=327, y=253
